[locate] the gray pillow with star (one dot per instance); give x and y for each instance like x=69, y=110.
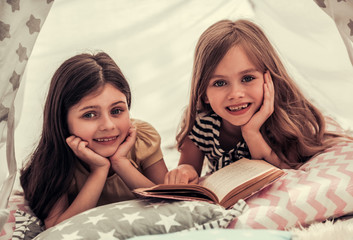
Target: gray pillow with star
x=127, y=219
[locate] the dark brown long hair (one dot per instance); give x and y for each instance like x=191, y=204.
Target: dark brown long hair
x=296, y=129
x=49, y=171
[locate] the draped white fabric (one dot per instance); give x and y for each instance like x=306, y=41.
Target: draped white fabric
x=153, y=42
x=20, y=23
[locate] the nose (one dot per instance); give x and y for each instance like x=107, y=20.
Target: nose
x=236, y=91
x=106, y=123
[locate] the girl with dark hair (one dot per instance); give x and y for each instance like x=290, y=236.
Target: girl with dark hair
x=90, y=152
x=243, y=103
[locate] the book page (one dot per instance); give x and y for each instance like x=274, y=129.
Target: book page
x=178, y=191
x=226, y=179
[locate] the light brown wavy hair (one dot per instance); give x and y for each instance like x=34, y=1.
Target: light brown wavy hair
x=296, y=129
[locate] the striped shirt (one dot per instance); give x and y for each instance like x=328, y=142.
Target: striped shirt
x=205, y=134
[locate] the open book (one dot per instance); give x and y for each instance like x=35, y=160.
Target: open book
x=225, y=187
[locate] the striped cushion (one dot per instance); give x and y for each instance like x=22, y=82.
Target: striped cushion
x=321, y=189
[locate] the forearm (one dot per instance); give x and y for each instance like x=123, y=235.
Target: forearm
x=259, y=149
x=88, y=196
x=191, y=155
x=130, y=175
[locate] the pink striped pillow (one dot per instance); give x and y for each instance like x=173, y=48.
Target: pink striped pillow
x=321, y=189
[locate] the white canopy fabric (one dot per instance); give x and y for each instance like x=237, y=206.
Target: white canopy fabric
x=153, y=42
x=20, y=23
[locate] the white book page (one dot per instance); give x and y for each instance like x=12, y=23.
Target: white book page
x=226, y=179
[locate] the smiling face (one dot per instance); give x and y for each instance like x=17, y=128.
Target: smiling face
x=102, y=119
x=235, y=90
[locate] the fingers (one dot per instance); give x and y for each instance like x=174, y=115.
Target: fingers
x=79, y=147
x=269, y=92
x=269, y=83
x=130, y=138
x=125, y=146
x=176, y=177
x=181, y=175
x=83, y=152
x=132, y=134
x=76, y=144
x=169, y=177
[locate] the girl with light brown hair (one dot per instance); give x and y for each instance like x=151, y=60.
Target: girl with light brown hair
x=243, y=103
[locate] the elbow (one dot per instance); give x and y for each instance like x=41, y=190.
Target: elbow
x=51, y=222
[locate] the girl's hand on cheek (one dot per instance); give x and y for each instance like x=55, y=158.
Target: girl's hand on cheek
x=121, y=154
x=265, y=111
x=79, y=147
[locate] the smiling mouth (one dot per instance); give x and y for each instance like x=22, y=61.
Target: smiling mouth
x=105, y=139
x=238, y=108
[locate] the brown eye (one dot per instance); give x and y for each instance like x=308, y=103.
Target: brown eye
x=89, y=115
x=116, y=111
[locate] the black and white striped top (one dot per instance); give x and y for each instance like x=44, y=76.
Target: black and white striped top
x=205, y=134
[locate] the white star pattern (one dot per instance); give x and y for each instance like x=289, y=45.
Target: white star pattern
x=88, y=211
x=72, y=236
x=157, y=204
x=107, y=235
x=137, y=219
x=94, y=220
x=131, y=217
x=61, y=226
x=167, y=222
x=192, y=204
x=122, y=206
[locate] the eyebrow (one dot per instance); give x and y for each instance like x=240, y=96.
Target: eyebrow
x=94, y=106
x=246, y=71
x=250, y=70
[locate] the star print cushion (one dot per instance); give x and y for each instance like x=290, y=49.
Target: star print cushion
x=143, y=217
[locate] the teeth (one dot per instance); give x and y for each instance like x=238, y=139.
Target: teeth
x=105, y=139
x=238, y=107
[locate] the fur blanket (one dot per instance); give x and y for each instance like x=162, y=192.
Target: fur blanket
x=329, y=230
